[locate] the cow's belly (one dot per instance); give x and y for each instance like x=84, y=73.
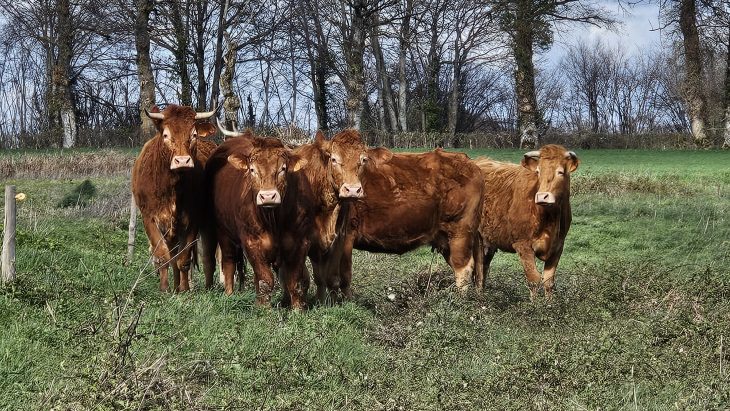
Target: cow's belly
x=396, y=230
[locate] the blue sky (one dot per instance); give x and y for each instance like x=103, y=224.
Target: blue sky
x=639, y=31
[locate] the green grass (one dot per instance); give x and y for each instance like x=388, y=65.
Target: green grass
x=640, y=319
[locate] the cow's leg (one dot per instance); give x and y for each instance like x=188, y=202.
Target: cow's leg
x=548, y=276
x=175, y=269
x=319, y=279
x=293, y=254
x=221, y=278
x=208, y=248
x=263, y=277
x=159, y=250
x=527, y=258
x=478, y=253
x=240, y=267
x=461, y=260
x=346, y=270
x=488, y=256
x=228, y=262
x=184, y=260
x=263, y=281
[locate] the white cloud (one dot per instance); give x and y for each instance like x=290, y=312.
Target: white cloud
x=638, y=31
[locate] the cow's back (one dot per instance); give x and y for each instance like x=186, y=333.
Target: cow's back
x=409, y=199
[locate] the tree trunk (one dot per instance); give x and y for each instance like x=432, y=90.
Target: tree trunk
x=266, y=79
x=454, y=97
x=144, y=67
x=404, y=44
x=319, y=84
x=318, y=59
x=527, y=114
x=693, y=63
x=430, y=115
x=385, y=89
x=218, y=60
x=231, y=102
x=64, y=99
x=354, y=48
x=726, y=135
x=181, y=39
x=199, y=54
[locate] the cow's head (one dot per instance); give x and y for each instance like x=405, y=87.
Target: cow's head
x=347, y=156
x=265, y=163
x=180, y=127
x=553, y=165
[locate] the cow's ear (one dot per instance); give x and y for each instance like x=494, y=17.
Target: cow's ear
x=322, y=143
x=573, y=161
x=205, y=130
x=238, y=162
x=530, y=160
x=295, y=162
x=379, y=155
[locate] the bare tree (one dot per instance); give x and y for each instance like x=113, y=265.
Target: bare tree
x=474, y=42
x=693, y=65
x=589, y=69
x=144, y=66
x=62, y=81
x=529, y=24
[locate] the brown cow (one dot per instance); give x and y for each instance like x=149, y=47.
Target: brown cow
x=325, y=175
x=413, y=200
x=526, y=209
x=167, y=183
x=333, y=171
x=254, y=189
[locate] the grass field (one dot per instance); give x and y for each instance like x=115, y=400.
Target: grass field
x=641, y=318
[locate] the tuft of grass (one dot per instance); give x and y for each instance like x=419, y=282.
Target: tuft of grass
x=80, y=196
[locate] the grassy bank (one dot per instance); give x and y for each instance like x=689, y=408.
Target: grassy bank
x=640, y=319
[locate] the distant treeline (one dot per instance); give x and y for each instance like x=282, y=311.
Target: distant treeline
x=404, y=72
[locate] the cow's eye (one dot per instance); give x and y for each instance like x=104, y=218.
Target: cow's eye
x=561, y=172
x=334, y=160
x=252, y=170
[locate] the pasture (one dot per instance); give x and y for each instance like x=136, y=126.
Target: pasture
x=640, y=320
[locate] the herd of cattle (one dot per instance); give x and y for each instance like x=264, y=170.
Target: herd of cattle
x=272, y=205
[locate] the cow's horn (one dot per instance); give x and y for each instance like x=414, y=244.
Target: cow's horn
x=206, y=114
x=570, y=154
x=226, y=132
x=156, y=116
x=533, y=154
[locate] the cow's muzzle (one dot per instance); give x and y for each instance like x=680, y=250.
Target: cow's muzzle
x=351, y=191
x=544, y=198
x=181, y=162
x=268, y=198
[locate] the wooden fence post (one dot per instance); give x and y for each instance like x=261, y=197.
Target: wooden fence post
x=132, y=230
x=7, y=260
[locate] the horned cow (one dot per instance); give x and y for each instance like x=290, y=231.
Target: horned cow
x=526, y=209
x=168, y=188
